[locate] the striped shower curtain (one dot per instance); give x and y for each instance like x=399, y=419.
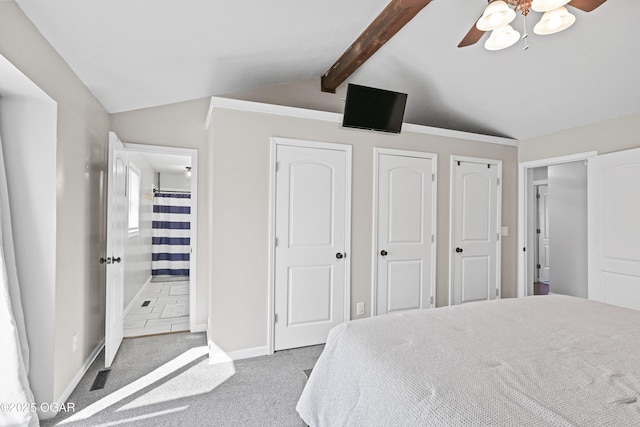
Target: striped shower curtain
x=171, y=234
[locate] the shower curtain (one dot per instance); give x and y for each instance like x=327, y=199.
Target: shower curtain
x=171, y=234
x=14, y=357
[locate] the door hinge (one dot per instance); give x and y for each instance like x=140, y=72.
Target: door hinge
x=488, y=165
x=538, y=196
x=275, y=317
x=497, y=292
x=276, y=242
x=431, y=300
x=433, y=238
x=277, y=166
x=458, y=162
x=538, y=231
x=498, y=181
x=524, y=249
x=539, y=266
x=497, y=237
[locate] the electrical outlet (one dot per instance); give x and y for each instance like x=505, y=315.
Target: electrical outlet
x=360, y=308
x=75, y=342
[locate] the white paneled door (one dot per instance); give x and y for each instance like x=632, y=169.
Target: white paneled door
x=475, y=238
x=405, y=232
x=543, y=268
x=614, y=228
x=311, y=237
x=116, y=228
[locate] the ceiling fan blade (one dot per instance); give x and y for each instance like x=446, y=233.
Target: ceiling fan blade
x=586, y=5
x=472, y=36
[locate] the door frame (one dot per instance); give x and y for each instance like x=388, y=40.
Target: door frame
x=377, y=152
x=498, y=163
x=193, y=263
x=271, y=253
x=525, y=203
x=535, y=223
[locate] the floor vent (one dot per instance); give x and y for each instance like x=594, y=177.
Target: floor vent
x=101, y=380
x=146, y=303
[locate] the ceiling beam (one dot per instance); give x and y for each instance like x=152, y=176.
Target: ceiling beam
x=381, y=30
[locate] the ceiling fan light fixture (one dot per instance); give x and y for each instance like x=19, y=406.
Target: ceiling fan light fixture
x=496, y=15
x=547, y=5
x=502, y=38
x=554, y=21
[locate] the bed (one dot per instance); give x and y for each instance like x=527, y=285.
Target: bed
x=536, y=361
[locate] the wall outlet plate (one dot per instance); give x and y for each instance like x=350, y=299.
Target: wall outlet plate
x=360, y=308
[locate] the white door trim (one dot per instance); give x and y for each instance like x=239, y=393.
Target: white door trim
x=498, y=163
x=271, y=280
x=374, y=254
x=193, y=258
x=524, y=191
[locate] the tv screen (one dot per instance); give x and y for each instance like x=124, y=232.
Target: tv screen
x=374, y=109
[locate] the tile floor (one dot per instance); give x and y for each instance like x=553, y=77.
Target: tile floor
x=167, y=311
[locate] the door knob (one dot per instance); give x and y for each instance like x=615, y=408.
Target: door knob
x=117, y=260
x=458, y=250
x=103, y=260
x=340, y=255
x=384, y=253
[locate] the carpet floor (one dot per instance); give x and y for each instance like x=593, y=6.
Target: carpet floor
x=168, y=380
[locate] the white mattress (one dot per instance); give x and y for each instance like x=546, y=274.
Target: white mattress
x=536, y=361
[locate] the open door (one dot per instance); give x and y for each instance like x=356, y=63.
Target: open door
x=614, y=229
x=116, y=228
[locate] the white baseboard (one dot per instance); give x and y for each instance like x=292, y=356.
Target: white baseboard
x=202, y=327
x=217, y=355
x=83, y=370
x=135, y=298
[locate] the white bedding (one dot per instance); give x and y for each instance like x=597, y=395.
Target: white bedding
x=536, y=361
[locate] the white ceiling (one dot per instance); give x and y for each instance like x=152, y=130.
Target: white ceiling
x=172, y=163
x=142, y=53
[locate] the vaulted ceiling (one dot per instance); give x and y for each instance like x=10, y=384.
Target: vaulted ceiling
x=143, y=53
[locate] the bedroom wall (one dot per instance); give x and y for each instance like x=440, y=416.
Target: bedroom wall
x=31, y=177
x=178, y=125
x=137, y=250
x=80, y=165
x=568, y=229
x=240, y=212
x=605, y=137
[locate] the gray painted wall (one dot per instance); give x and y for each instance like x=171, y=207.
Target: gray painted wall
x=80, y=223
x=137, y=250
x=568, y=229
x=240, y=209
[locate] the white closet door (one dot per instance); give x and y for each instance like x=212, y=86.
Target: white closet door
x=475, y=236
x=311, y=227
x=405, y=232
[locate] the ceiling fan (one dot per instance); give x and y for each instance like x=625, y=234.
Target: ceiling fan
x=498, y=15
x=400, y=12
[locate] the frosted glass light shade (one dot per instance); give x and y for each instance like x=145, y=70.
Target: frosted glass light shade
x=502, y=38
x=554, y=21
x=547, y=5
x=497, y=14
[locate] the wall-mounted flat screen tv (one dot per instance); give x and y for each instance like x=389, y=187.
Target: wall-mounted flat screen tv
x=374, y=109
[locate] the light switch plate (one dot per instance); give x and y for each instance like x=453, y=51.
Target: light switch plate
x=505, y=230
